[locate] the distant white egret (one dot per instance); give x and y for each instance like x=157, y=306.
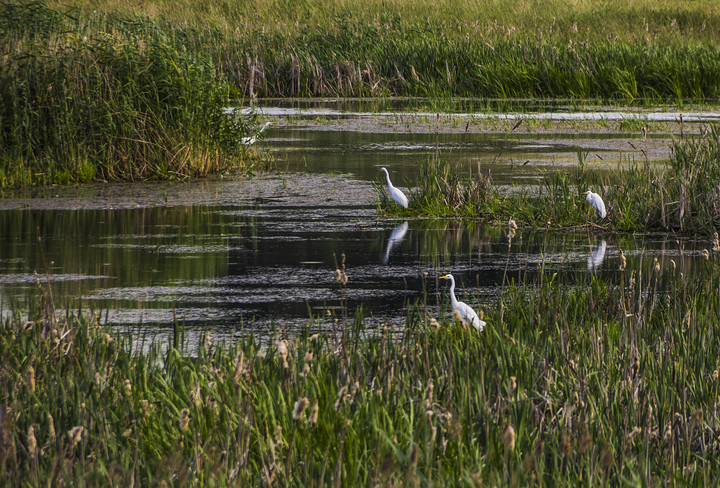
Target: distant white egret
x=250, y=140
x=396, y=237
x=398, y=196
x=597, y=203
x=467, y=314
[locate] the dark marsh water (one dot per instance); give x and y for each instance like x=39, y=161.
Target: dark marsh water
x=241, y=255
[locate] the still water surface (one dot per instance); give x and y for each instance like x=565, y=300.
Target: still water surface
x=235, y=255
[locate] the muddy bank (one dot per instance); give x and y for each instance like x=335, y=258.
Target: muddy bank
x=270, y=189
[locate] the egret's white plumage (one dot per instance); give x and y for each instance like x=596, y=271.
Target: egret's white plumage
x=467, y=314
x=397, y=195
x=250, y=140
x=597, y=203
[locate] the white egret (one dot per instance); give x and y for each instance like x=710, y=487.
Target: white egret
x=395, y=193
x=467, y=314
x=396, y=237
x=250, y=140
x=597, y=203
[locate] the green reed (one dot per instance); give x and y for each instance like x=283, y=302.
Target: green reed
x=647, y=53
x=681, y=196
x=591, y=382
x=90, y=97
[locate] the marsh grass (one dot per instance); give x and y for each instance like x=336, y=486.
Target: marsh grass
x=569, y=384
x=91, y=97
x=636, y=52
x=681, y=196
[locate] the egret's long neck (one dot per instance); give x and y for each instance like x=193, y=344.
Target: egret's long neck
x=453, y=300
x=387, y=177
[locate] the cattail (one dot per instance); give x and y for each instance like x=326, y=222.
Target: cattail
x=308, y=357
x=75, y=435
x=184, y=419
x=32, y=442
x=512, y=225
x=565, y=446
x=340, y=398
x=623, y=261
x=207, y=340
x=457, y=316
x=283, y=351
x=634, y=432
x=585, y=441
x=278, y=436
x=434, y=323
x=607, y=458
x=414, y=456
x=314, y=414
x=508, y=438
x=656, y=265
x=145, y=408
x=128, y=387
x=716, y=242
x=706, y=254
x=108, y=338
x=127, y=433
x=672, y=263
x=429, y=394
x=51, y=427
x=300, y=407
x=512, y=383
x=31, y=379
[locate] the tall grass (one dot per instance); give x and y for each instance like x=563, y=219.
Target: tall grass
x=681, y=196
x=642, y=51
x=593, y=383
x=87, y=97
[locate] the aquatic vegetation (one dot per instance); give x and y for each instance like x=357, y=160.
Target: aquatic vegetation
x=593, y=384
x=681, y=196
x=86, y=98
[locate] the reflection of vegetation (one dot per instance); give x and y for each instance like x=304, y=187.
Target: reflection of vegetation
x=685, y=196
x=592, y=384
x=149, y=247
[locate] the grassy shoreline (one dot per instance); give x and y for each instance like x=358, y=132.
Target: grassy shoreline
x=568, y=385
x=682, y=197
x=112, y=92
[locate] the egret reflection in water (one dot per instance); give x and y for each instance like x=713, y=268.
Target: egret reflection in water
x=396, y=237
x=597, y=256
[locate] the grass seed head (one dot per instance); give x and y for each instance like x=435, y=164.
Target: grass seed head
x=314, y=414
x=75, y=435
x=607, y=458
x=51, y=427
x=32, y=442
x=300, y=407
x=31, y=379
x=508, y=438
x=184, y=419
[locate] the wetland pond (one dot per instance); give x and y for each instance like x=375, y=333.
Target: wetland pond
x=236, y=255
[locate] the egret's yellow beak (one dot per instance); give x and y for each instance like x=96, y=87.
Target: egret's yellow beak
x=443, y=277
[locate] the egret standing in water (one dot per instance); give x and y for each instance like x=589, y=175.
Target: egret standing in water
x=597, y=203
x=250, y=140
x=398, y=196
x=466, y=313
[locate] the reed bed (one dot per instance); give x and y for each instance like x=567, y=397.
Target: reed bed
x=681, y=196
x=589, y=383
x=90, y=97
